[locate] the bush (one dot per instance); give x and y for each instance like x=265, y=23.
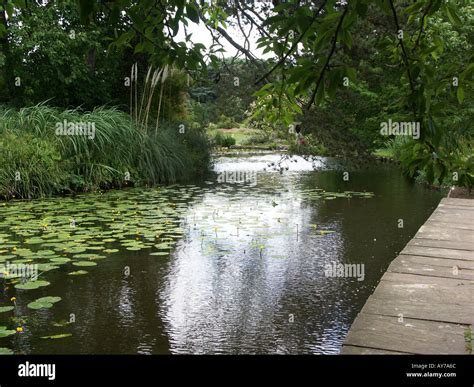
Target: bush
x=224, y=140
x=31, y=167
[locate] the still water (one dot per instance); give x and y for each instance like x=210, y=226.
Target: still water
x=241, y=265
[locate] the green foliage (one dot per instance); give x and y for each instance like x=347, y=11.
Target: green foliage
x=225, y=122
x=389, y=58
x=225, y=90
x=225, y=140
x=31, y=166
x=311, y=147
x=50, y=164
x=258, y=139
x=56, y=58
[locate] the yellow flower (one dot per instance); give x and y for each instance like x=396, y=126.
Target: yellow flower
x=19, y=329
x=13, y=299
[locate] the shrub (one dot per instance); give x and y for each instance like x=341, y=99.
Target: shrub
x=224, y=140
x=31, y=167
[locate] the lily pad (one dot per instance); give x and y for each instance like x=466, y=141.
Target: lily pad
x=78, y=272
x=49, y=299
x=32, y=285
x=60, y=336
x=4, y=309
x=4, y=332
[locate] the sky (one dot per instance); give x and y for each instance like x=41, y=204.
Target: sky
x=200, y=34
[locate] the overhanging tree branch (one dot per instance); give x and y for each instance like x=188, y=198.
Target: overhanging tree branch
x=295, y=44
x=328, y=59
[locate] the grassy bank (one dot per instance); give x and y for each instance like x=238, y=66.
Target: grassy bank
x=35, y=161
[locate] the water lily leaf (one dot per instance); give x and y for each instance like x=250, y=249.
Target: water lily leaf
x=49, y=299
x=39, y=305
x=6, y=351
x=78, y=272
x=4, y=309
x=32, y=285
x=60, y=336
x=4, y=332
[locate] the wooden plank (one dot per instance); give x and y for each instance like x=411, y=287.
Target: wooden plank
x=458, y=202
x=455, y=225
x=451, y=219
x=442, y=233
x=422, y=297
x=428, y=269
x=413, y=336
x=463, y=264
x=424, y=302
x=351, y=350
x=466, y=246
x=438, y=252
x=413, y=279
x=454, y=211
x=469, y=209
x=419, y=309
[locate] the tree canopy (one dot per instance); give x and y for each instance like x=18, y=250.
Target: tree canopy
x=411, y=59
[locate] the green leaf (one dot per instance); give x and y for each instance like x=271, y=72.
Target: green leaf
x=31, y=285
x=60, y=336
x=460, y=94
x=49, y=299
x=452, y=16
x=192, y=13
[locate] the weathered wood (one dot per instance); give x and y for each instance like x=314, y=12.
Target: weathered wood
x=438, y=252
x=411, y=336
x=351, y=350
x=441, y=244
x=445, y=262
x=459, y=212
x=424, y=302
x=458, y=225
x=426, y=268
x=458, y=202
x=425, y=310
x=454, y=220
x=442, y=233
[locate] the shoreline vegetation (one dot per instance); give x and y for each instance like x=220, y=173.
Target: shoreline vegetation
x=36, y=162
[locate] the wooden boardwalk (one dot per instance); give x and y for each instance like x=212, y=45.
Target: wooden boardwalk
x=424, y=303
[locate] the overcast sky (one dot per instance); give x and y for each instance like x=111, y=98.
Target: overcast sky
x=200, y=34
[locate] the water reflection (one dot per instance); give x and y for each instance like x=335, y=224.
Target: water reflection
x=249, y=277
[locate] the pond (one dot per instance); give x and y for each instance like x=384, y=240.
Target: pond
x=237, y=264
